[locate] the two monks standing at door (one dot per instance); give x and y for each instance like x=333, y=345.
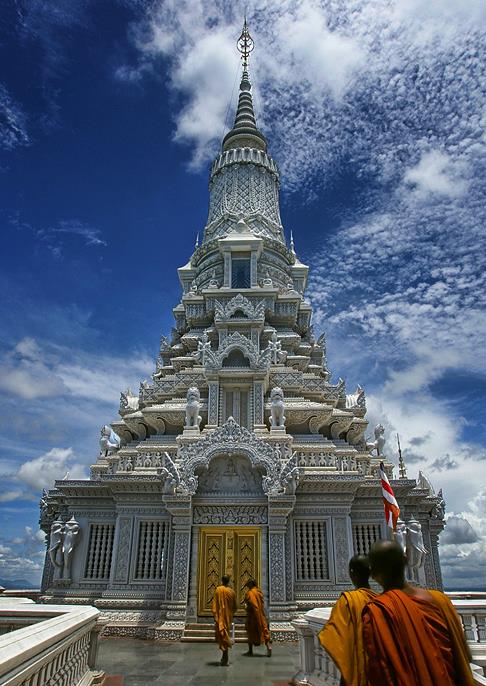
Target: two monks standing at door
x=224, y=607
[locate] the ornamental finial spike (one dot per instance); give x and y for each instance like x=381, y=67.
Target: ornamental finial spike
x=245, y=45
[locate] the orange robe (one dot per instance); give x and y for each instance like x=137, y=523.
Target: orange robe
x=342, y=637
x=223, y=607
x=415, y=640
x=256, y=622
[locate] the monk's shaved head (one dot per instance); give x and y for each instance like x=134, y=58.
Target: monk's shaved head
x=359, y=571
x=387, y=563
x=225, y=580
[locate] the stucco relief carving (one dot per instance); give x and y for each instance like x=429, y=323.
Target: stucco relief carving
x=230, y=514
x=231, y=475
x=223, y=311
x=181, y=565
x=123, y=550
x=277, y=567
x=229, y=439
x=258, y=360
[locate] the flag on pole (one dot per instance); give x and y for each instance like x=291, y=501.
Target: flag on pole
x=392, y=511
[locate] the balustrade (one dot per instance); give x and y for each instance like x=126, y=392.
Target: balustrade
x=317, y=668
x=55, y=646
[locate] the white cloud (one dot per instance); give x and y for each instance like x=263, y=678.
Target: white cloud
x=32, y=371
x=8, y=496
x=434, y=174
x=42, y=471
x=13, y=122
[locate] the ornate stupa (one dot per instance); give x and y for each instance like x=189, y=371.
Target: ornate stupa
x=241, y=455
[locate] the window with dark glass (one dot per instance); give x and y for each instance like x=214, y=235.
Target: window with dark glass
x=240, y=272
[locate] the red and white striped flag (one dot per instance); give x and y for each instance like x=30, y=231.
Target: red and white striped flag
x=392, y=511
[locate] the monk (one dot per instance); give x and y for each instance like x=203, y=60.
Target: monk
x=223, y=607
x=342, y=637
x=412, y=637
x=256, y=622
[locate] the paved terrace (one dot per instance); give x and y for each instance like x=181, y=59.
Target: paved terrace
x=138, y=663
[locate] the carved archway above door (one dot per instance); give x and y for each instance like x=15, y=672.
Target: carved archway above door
x=229, y=439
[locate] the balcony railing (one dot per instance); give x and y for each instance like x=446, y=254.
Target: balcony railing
x=47, y=645
x=317, y=668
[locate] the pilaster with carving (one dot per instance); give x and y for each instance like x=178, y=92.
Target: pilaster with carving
x=122, y=547
x=213, y=403
x=279, y=508
x=180, y=509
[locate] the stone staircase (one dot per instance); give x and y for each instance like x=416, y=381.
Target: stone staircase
x=204, y=633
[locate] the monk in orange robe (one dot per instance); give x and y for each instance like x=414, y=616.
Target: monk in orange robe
x=256, y=622
x=341, y=637
x=223, y=607
x=412, y=637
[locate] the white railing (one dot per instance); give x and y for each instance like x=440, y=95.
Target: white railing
x=48, y=645
x=317, y=668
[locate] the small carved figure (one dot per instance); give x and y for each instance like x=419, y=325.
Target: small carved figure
x=193, y=405
x=416, y=550
x=144, y=386
x=203, y=348
x=277, y=408
x=275, y=349
x=356, y=399
x=267, y=281
x=423, y=481
x=109, y=441
x=172, y=476
x=71, y=535
x=439, y=509
x=44, y=503
x=159, y=369
x=128, y=401
x=289, y=476
x=139, y=460
x=193, y=288
x=213, y=283
x=379, y=442
x=401, y=534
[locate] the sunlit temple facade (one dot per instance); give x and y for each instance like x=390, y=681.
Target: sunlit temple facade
x=241, y=455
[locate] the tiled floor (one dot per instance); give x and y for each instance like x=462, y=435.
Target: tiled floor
x=195, y=664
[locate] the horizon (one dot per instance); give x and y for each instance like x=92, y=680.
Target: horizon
x=111, y=117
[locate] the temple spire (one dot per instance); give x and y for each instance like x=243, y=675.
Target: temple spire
x=245, y=133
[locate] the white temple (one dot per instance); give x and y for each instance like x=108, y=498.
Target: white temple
x=240, y=456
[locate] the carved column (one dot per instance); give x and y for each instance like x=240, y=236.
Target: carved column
x=122, y=547
x=258, y=406
x=254, y=268
x=435, y=527
x=180, y=509
x=213, y=404
x=279, y=508
x=343, y=545
x=227, y=270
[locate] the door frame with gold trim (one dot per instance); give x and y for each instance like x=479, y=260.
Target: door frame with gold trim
x=233, y=550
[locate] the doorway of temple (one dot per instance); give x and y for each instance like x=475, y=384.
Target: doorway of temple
x=235, y=551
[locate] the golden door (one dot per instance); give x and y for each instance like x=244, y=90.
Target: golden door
x=227, y=550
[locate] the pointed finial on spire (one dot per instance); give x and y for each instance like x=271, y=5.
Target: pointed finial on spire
x=292, y=247
x=245, y=45
x=401, y=463
x=196, y=245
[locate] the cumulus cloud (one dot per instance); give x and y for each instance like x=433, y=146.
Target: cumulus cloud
x=42, y=471
x=8, y=496
x=458, y=530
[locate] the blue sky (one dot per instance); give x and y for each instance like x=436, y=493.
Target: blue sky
x=110, y=115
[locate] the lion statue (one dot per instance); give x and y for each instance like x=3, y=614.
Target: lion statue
x=277, y=407
x=193, y=418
